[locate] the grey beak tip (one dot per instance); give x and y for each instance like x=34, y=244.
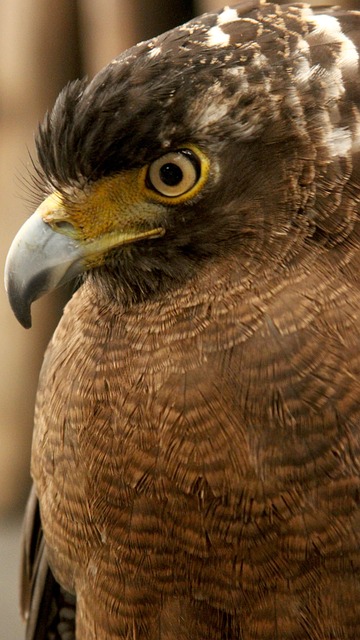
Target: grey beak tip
x=21, y=308
x=24, y=317
x=22, y=296
x=39, y=260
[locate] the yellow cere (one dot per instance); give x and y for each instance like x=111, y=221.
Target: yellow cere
x=112, y=203
x=119, y=204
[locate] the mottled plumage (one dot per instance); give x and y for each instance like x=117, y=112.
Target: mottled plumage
x=196, y=450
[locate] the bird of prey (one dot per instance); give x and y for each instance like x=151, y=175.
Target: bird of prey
x=196, y=451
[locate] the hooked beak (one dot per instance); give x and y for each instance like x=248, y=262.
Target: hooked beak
x=42, y=257
x=39, y=260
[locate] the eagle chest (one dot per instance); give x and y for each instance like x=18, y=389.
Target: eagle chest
x=137, y=398
x=137, y=415
x=167, y=434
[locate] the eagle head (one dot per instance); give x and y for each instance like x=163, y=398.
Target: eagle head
x=231, y=135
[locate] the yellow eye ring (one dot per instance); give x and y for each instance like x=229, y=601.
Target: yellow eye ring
x=176, y=176
x=175, y=173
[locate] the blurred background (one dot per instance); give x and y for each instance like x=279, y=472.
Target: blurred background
x=43, y=45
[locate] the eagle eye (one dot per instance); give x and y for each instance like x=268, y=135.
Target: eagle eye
x=174, y=173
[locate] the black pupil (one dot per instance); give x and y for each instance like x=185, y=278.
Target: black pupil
x=171, y=174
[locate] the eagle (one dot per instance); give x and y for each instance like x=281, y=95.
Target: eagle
x=196, y=448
